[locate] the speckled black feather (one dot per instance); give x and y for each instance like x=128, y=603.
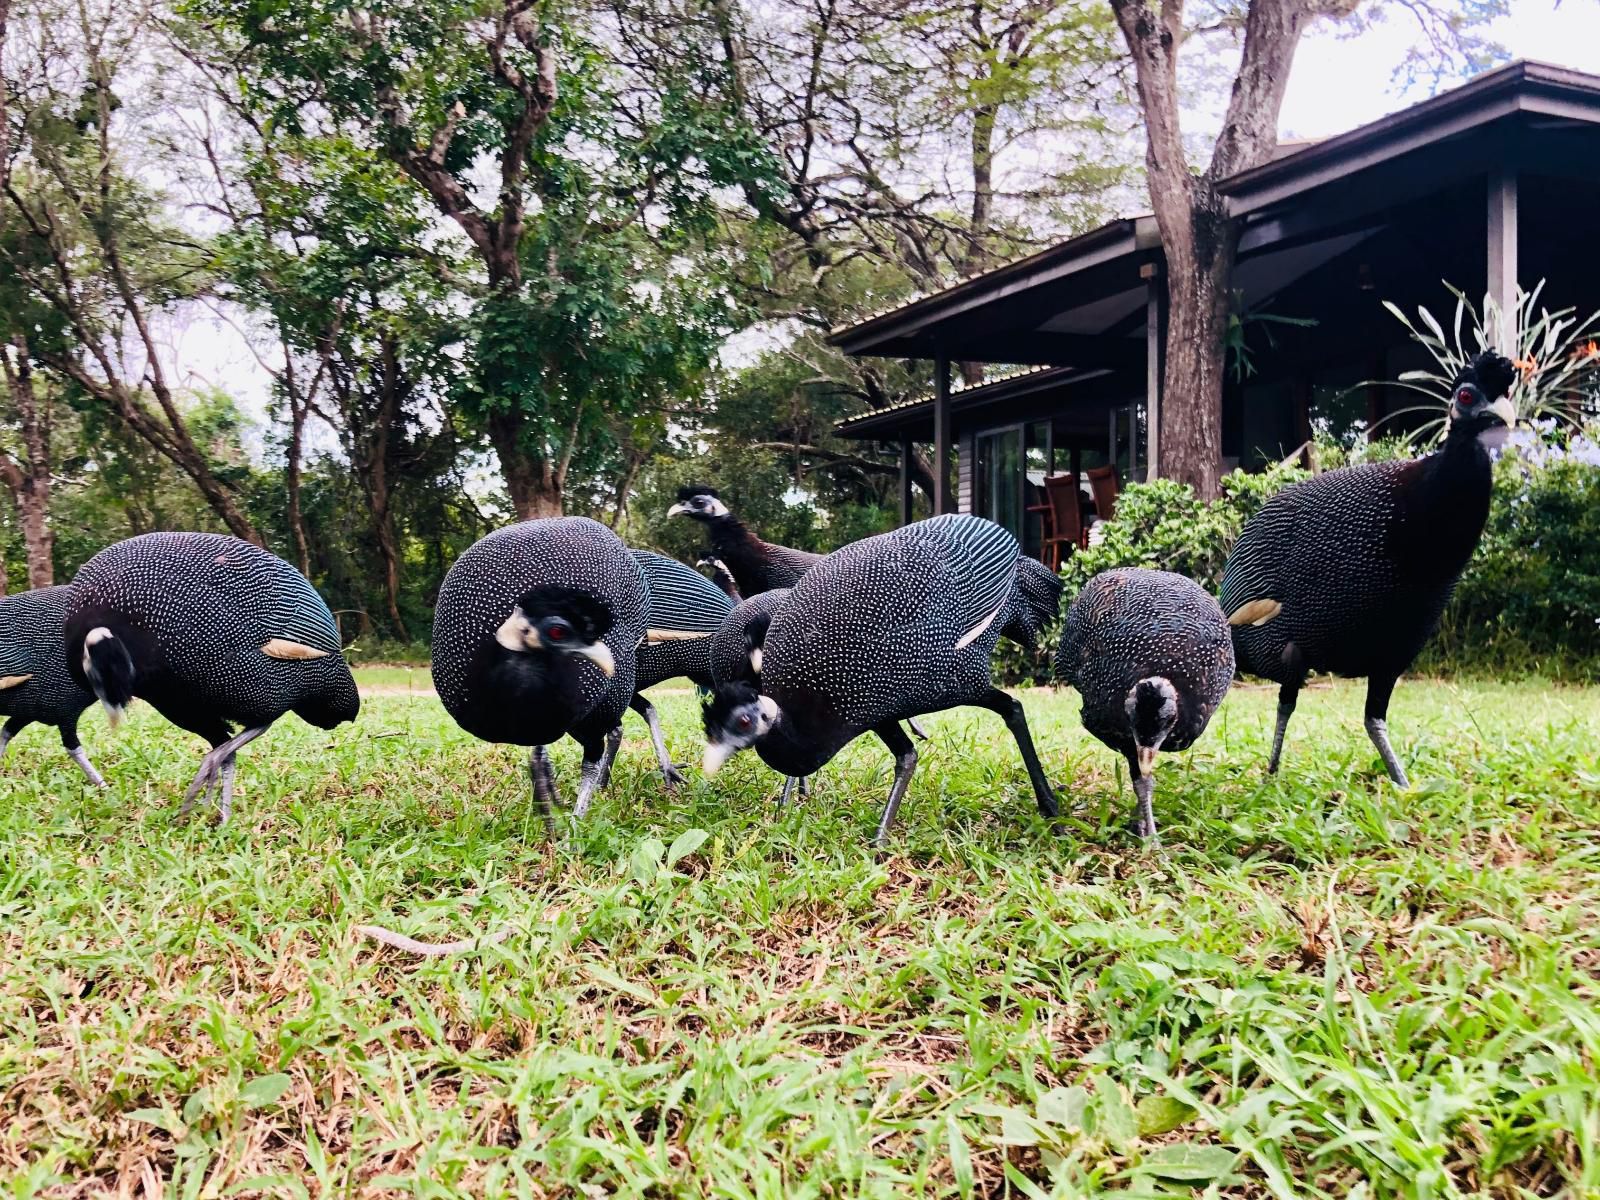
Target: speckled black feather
x=533, y=699
x=681, y=601
x=194, y=611
x=870, y=635
x=743, y=630
x=1133, y=624
x=32, y=643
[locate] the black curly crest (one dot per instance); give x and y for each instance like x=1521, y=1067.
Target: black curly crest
x=691, y=490
x=1493, y=373
x=591, y=617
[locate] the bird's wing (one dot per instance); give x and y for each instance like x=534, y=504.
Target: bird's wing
x=289, y=609
x=983, y=558
x=683, y=603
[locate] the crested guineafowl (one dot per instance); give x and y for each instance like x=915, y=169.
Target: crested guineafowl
x=1149, y=653
x=535, y=637
x=880, y=631
x=1349, y=572
x=736, y=653
x=720, y=575
x=685, y=612
x=35, y=684
x=214, y=633
x=756, y=566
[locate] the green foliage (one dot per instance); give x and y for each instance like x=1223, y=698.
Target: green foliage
x=1161, y=525
x=1529, y=604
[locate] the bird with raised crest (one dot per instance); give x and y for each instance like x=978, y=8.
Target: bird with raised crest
x=1349, y=572
x=35, y=685
x=756, y=566
x=883, y=630
x=536, y=637
x=685, y=612
x=213, y=632
x=1149, y=652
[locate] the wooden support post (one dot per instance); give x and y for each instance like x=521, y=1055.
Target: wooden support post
x=1502, y=249
x=942, y=497
x=905, y=479
x=1155, y=342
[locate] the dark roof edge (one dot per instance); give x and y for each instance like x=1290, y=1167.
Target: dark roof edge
x=1504, y=87
x=1018, y=383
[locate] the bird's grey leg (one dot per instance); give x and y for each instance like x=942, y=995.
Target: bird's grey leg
x=74, y=749
x=1144, y=788
x=1288, y=695
x=905, y=762
x=1378, y=692
x=916, y=729
x=543, y=781
x=211, y=768
x=669, y=772
x=225, y=789
x=790, y=783
x=84, y=765
x=609, y=759
x=595, y=771
x=805, y=787
x=1010, y=710
x=12, y=727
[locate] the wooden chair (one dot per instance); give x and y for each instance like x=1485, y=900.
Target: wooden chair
x=1103, y=483
x=1065, y=518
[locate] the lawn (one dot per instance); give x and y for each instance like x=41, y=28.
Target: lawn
x=1318, y=986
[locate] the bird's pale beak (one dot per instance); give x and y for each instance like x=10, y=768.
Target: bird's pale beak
x=1505, y=410
x=755, y=660
x=717, y=754
x=677, y=509
x=600, y=655
x=1147, y=759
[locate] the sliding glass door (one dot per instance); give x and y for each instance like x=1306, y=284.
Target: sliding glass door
x=997, y=490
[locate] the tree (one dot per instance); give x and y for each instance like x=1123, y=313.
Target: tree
x=591, y=296
x=1199, y=240
x=89, y=243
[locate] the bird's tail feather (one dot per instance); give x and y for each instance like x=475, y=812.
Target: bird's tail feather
x=110, y=670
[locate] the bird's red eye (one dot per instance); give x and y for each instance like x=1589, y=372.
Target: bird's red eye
x=558, y=633
x=744, y=722
x=1464, y=397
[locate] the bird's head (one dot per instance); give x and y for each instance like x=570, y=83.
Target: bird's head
x=736, y=717
x=559, y=620
x=1478, y=397
x=699, y=502
x=1152, y=707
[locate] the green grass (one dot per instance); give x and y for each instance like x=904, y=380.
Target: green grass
x=1321, y=986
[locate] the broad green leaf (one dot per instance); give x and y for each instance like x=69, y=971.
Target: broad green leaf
x=264, y=1090
x=685, y=844
x=1161, y=1114
x=1189, y=1162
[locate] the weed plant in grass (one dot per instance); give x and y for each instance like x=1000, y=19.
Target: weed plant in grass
x=1321, y=986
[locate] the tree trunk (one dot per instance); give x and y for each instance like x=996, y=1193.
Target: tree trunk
x=28, y=479
x=534, y=492
x=297, y=525
x=394, y=385
x=1200, y=289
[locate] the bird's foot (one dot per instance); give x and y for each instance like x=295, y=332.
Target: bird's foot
x=916, y=728
x=87, y=767
x=673, y=774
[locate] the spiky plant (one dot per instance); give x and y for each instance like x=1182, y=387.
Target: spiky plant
x=1558, y=354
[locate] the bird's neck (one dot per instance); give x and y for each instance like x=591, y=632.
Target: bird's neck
x=744, y=554
x=547, y=684
x=1451, y=499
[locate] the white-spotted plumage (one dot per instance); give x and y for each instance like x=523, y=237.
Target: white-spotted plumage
x=35, y=684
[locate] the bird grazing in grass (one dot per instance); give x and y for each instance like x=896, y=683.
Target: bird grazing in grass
x=885, y=629
x=1151, y=656
x=685, y=612
x=535, y=638
x=35, y=684
x=720, y=575
x=756, y=566
x=736, y=656
x=1349, y=572
x=214, y=633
